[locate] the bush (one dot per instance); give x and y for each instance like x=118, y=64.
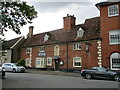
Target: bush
x=21, y=62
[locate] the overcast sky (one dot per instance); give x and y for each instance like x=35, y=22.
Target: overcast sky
x=50, y=14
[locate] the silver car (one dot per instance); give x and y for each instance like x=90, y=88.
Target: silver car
x=13, y=67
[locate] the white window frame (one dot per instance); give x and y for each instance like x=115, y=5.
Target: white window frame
x=42, y=61
x=56, y=50
x=77, y=46
x=80, y=60
x=46, y=37
x=80, y=32
x=112, y=35
x=28, y=50
x=114, y=56
x=26, y=62
x=49, y=59
x=113, y=10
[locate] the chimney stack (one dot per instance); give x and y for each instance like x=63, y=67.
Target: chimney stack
x=69, y=22
x=30, y=31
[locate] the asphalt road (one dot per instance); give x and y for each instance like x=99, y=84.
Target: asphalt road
x=30, y=80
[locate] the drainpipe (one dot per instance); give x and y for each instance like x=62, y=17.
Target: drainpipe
x=67, y=56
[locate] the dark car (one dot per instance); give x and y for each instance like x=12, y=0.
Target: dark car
x=100, y=72
x=2, y=72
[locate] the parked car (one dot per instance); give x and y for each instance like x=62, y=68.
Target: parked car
x=13, y=67
x=2, y=71
x=100, y=72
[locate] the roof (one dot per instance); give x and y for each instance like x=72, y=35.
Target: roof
x=90, y=27
x=9, y=44
x=107, y=3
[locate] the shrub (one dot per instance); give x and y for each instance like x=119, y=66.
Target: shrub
x=21, y=62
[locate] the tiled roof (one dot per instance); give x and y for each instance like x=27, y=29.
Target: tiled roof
x=90, y=27
x=10, y=43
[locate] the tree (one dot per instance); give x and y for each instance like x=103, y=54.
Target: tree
x=13, y=15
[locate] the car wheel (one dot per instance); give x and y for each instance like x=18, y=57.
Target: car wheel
x=14, y=70
x=88, y=76
x=117, y=78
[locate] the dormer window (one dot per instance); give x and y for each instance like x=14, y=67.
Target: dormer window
x=80, y=32
x=46, y=37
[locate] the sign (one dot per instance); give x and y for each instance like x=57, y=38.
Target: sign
x=42, y=54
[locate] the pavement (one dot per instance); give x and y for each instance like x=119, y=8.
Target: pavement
x=74, y=74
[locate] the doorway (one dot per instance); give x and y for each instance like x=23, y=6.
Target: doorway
x=56, y=64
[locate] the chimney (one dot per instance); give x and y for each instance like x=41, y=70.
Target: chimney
x=69, y=22
x=30, y=31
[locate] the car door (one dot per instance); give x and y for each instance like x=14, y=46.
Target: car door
x=8, y=67
x=101, y=72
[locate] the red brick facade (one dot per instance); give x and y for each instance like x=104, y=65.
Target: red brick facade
x=89, y=59
x=96, y=38
x=107, y=24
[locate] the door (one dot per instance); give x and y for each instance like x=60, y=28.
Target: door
x=56, y=64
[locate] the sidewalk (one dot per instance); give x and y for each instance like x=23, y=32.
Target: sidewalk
x=53, y=72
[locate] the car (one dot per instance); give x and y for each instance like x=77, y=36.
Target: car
x=100, y=72
x=2, y=71
x=13, y=67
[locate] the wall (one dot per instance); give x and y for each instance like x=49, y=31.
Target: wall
x=108, y=23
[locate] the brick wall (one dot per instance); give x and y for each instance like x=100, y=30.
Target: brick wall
x=107, y=24
x=89, y=59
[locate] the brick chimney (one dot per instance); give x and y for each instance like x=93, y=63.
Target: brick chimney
x=69, y=22
x=30, y=31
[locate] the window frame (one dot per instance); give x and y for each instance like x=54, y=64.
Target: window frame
x=109, y=10
x=80, y=32
x=49, y=64
x=116, y=39
x=113, y=56
x=26, y=62
x=28, y=50
x=42, y=61
x=76, y=45
x=80, y=60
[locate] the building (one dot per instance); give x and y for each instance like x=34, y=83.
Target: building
x=110, y=33
x=11, y=50
x=70, y=48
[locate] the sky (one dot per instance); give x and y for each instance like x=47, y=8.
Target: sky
x=51, y=13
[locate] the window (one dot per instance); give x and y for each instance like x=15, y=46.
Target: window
x=113, y=10
x=114, y=37
x=46, y=37
x=28, y=62
x=77, y=46
x=29, y=50
x=42, y=48
x=49, y=61
x=40, y=62
x=56, y=50
x=77, y=62
x=115, y=61
x=80, y=32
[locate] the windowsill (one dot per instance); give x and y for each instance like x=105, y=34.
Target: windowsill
x=76, y=49
x=113, y=15
x=77, y=66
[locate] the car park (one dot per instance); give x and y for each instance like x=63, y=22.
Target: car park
x=2, y=72
x=13, y=67
x=100, y=72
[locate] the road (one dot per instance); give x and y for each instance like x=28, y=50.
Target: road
x=30, y=80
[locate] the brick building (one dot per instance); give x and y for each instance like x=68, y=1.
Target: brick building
x=73, y=47
x=110, y=33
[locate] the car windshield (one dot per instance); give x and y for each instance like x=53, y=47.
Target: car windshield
x=17, y=64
